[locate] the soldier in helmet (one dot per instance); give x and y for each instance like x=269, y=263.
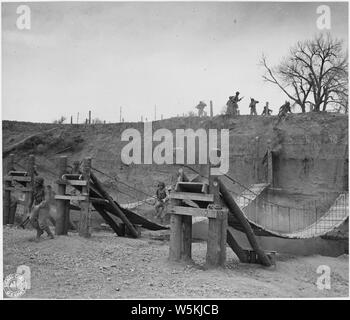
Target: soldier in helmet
x=39, y=214
x=232, y=104
x=162, y=197
x=252, y=106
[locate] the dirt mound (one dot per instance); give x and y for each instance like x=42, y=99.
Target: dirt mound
x=310, y=152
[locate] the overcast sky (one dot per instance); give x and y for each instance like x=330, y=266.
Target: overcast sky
x=102, y=56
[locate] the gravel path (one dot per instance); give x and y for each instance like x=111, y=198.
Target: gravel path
x=106, y=266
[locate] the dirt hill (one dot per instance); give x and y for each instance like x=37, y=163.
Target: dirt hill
x=310, y=151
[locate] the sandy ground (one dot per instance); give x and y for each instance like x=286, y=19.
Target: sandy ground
x=106, y=266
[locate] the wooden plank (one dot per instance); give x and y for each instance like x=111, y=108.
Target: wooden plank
x=238, y=214
x=68, y=197
x=84, y=221
x=216, y=243
x=7, y=195
x=237, y=249
x=192, y=196
x=186, y=244
x=19, y=178
x=114, y=207
x=28, y=195
x=175, y=237
x=23, y=189
x=72, y=182
x=194, y=187
x=194, y=212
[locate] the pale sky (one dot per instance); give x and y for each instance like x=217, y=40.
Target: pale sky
x=102, y=56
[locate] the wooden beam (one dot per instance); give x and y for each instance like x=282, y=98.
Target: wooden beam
x=17, y=178
x=72, y=182
x=216, y=243
x=7, y=196
x=84, y=221
x=61, y=197
x=186, y=243
x=18, y=188
x=238, y=214
x=115, y=227
x=192, y=196
x=237, y=249
x=194, y=212
x=118, y=211
x=28, y=195
x=70, y=197
x=217, y=229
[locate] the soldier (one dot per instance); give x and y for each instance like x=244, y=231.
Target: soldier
x=39, y=214
x=201, y=105
x=162, y=198
x=284, y=109
x=252, y=106
x=232, y=104
x=266, y=111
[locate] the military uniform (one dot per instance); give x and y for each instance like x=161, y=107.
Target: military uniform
x=252, y=107
x=161, y=198
x=39, y=215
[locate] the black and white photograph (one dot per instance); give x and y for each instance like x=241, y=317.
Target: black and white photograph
x=182, y=150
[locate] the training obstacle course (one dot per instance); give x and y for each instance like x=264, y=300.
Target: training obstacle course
x=196, y=199
x=91, y=191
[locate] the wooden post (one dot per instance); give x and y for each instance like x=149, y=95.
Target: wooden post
x=180, y=247
x=84, y=221
x=175, y=237
x=61, y=204
x=217, y=230
x=89, y=116
x=216, y=244
x=71, y=119
x=186, y=245
x=29, y=194
x=211, y=109
x=7, y=199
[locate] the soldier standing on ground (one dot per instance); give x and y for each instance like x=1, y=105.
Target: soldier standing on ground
x=252, y=106
x=39, y=214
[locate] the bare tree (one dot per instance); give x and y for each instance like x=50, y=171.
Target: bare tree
x=315, y=72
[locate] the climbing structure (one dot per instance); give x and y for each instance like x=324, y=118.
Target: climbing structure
x=91, y=191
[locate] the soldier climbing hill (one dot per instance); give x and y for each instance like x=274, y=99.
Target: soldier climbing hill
x=232, y=105
x=266, y=111
x=284, y=109
x=201, y=105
